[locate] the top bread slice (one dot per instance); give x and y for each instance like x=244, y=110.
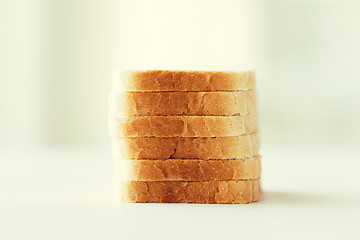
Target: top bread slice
x=160, y=80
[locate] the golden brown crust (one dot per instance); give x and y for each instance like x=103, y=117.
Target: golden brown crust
x=227, y=192
x=183, y=147
x=182, y=103
x=255, y=143
x=251, y=124
x=256, y=188
x=188, y=169
x=181, y=126
x=251, y=102
x=160, y=80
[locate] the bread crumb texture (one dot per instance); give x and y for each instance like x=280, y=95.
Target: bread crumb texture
x=160, y=80
x=183, y=126
x=226, y=192
x=238, y=103
x=186, y=147
x=188, y=169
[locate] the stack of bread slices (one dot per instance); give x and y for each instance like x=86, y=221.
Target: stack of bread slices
x=185, y=136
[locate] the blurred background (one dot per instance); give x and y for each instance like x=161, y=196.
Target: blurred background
x=57, y=58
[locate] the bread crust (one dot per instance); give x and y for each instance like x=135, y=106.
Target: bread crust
x=186, y=148
x=251, y=124
x=162, y=80
x=183, y=126
x=188, y=169
x=251, y=102
x=182, y=103
x=225, y=192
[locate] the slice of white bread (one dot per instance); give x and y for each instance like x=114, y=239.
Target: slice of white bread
x=238, y=103
x=160, y=80
x=181, y=126
x=227, y=192
x=188, y=169
x=186, y=148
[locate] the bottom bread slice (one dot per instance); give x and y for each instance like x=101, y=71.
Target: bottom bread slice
x=188, y=169
x=229, y=192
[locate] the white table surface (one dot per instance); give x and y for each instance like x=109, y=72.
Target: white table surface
x=66, y=193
